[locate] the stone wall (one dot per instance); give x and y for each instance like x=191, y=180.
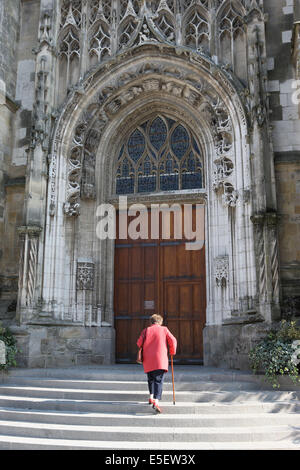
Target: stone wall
x=9, y=36
x=228, y=346
x=63, y=346
x=9, y=28
x=19, y=22
x=285, y=120
x=25, y=86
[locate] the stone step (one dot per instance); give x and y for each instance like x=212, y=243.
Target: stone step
x=134, y=373
x=129, y=385
x=133, y=407
x=157, y=434
x=106, y=408
x=139, y=396
x=149, y=419
x=29, y=443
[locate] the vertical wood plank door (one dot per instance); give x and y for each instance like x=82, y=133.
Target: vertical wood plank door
x=159, y=276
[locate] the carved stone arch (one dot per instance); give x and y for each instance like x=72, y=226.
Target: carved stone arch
x=118, y=128
x=187, y=5
x=109, y=99
x=95, y=114
x=128, y=7
x=237, y=5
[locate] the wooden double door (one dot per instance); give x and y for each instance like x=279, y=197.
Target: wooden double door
x=159, y=276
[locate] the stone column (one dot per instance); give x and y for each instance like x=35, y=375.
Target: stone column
x=31, y=233
x=264, y=188
x=267, y=262
x=273, y=263
x=29, y=251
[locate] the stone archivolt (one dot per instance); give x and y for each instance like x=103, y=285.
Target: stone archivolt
x=198, y=90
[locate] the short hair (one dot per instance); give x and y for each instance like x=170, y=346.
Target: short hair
x=156, y=319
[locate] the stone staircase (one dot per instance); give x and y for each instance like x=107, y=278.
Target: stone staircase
x=106, y=407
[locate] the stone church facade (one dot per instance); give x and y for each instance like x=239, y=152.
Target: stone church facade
x=161, y=101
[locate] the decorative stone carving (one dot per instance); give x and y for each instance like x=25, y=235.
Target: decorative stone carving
x=230, y=195
x=267, y=255
x=197, y=31
x=222, y=271
x=52, y=162
x=45, y=36
x=223, y=169
x=88, y=189
x=39, y=131
x=258, y=221
x=258, y=82
x=113, y=26
x=111, y=99
x=272, y=221
x=100, y=42
x=146, y=34
x=85, y=276
x=29, y=238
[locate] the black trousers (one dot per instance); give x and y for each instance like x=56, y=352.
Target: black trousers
x=155, y=382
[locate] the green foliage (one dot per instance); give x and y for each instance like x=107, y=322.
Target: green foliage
x=274, y=354
x=11, y=348
x=288, y=331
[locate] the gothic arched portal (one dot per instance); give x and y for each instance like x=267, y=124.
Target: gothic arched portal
x=156, y=126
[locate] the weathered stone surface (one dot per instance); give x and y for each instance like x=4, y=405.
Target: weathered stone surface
x=71, y=100
x=54, y=346
x=229, y=346
x=2, y=353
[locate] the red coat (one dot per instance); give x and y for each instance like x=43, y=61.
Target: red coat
x=155, y=347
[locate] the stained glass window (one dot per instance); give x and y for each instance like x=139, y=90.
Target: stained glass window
x=161, y=154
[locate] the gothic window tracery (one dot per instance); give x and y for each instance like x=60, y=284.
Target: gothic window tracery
x=100, y=9
x=99, y=33
x=129, y=6
x=232, y=22
x=233, y=48
x=188, y=3
x=127, y=30
x=69, y=54
x=197, y=31
x=165, y=24
x=71, y=13
x=159, y=155
x=100, y=42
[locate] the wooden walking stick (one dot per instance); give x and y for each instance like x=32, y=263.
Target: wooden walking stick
x=173, y=380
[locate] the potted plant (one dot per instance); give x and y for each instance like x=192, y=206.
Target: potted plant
x=278, y=353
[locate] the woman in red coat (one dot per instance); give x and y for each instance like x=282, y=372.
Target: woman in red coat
x=155, y=341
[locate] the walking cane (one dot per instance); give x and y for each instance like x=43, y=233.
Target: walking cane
x=173, y=380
